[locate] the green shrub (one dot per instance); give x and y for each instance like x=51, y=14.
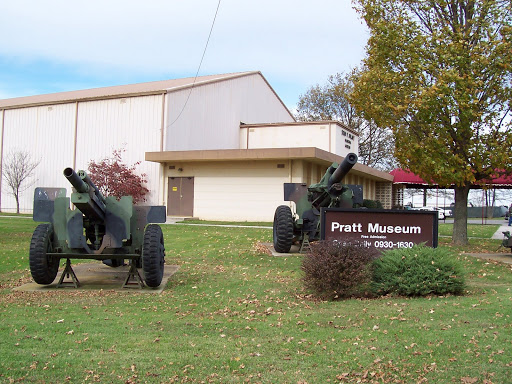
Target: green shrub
x=372, y=204
x=417, y=271
x=333, y=270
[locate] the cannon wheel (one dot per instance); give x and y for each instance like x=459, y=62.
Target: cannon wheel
x=283, y=229
x=43, y=268
x=153, y=255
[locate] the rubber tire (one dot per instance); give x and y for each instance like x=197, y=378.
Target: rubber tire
x=153, y=255
x=42, y=267
x=283, y=229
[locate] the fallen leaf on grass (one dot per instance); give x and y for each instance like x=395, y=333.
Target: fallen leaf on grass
x=468, y=380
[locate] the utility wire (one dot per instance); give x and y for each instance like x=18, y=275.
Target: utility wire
x=199, y=67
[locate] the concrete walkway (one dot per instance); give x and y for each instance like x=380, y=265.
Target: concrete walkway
x=499, y=233
x=500, y=257
x=183, y=221
x=98, y=276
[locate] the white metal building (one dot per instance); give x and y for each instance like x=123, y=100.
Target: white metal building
x=231, y=135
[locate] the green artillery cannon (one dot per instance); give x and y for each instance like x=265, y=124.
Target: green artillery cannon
x=100, y=228
x=304, y=225
x=507, y=240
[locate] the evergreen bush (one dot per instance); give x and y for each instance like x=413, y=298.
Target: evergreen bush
x=333, y=270
x=417, y=271
x=372, y=204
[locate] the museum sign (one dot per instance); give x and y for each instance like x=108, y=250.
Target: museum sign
x=381, y=229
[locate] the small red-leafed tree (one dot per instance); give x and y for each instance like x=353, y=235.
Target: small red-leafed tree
x=115, y=178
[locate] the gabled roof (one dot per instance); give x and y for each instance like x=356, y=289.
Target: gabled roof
x=140, y=89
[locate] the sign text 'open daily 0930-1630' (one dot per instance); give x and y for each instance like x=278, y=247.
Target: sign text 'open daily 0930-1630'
x=381, y=229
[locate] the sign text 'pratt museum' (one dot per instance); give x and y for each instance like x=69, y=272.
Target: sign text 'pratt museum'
x=382, y=229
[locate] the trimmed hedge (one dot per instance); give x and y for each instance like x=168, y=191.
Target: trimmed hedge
x=372, y=204
x=417, y=271
x=333, y=270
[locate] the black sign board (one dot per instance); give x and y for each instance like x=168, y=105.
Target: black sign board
x=381, y=229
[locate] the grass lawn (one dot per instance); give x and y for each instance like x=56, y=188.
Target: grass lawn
x=474, y=230
x=233, y=314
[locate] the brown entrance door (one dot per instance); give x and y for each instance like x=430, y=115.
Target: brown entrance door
x=180, y=196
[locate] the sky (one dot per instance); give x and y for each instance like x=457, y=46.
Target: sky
x=61, y=45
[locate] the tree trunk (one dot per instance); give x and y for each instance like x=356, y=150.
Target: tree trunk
x=17, y=204
x=460, y=215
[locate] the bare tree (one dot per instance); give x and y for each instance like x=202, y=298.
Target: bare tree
x=17, y=168
x=331, y=102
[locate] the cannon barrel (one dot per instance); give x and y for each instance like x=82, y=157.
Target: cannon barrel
x=76, y=181
x=85, y=177
x=88, y=198
x=342, y=170
x=82, y=182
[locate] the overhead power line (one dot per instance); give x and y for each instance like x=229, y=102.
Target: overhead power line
x=200, y=63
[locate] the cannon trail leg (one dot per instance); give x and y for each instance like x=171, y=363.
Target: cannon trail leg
x=305, y=247
x=68, y=273
x=133, y=279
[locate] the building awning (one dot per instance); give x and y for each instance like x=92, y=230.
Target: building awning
x=403, y=176
x=310, y=154
x=411, y=180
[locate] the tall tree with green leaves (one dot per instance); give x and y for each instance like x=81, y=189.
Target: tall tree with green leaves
x=331, y=102
x=439, y=73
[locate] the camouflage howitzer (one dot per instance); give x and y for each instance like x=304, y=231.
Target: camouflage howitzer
x=100, y=228
x=304, y=225
x=507, y=240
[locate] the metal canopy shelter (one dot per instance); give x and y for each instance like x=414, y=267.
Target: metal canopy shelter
x=409, y=179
